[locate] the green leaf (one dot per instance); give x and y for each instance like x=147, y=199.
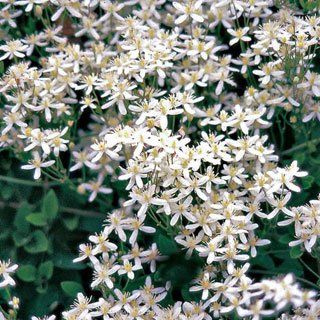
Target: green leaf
x=71, y=223
x=20, y=239
x=308, y=5
x=189, y=295
x=136, y=283
x=90, y=224
x=5, y=295
x=37, y=219
x=263, y=261
x=38, y=243
x=20, y=221
x=166, y=245
x=300, y=157
x=296, y=252
x=285, y=239
x=71, y=288
x=50, y=205
x=41, y=303
x=290, y=266
x=27, y=272
x=46, y=269
x=63, y=260
x=7, y=192
x=307, y=182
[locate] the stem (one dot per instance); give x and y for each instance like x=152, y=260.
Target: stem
x=26, y=182
x=84, y=213
x=301, y=146
x=308, y=268
x=75, y=211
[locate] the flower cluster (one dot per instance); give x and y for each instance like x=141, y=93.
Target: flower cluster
x=177, y=98
x=6, y=281
x=306, y=224
x=144, y=303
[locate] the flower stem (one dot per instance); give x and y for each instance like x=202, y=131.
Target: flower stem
x=308, y=268
x=300, y=146
x=26, y=182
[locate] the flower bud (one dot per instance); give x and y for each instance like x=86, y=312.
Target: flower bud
x=81, y=189
x=296, y=79
x=38, y=11
x=293, y=119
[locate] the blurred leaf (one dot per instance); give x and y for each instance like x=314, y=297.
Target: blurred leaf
x=71, y=288
x=307, y=182
x=71, y=223
x=308, y=5
x=189, y=295
x=20, y=239
x=4, y=294
x=263, y=260
x=90, y=224
x=296, y=252
x=285, y=239
x=39, y=243
x=7, y=191
x=27, y=272
x=50, y=205
x=46, y=269
x=290, y=266
x=41, y=303
x=136, y=283
x=37, y=219
x=166, y=245
x=20, y=221
x=300, y=157
x=64, y=261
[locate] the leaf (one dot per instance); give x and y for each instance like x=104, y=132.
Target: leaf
x=63, y=260
x=296, y=252
x=5, y=294
x=50, y=205
x=263, y=261
x=7, y=192
x=20, y=239
x=308, y=5
x=37, y=219
x=71, y=223
x=285, y=239
x=90, y=224
x=166, y=245
x=189, y=295
x=307, y=182
x=27, y=272
x=290, y=266
x=46, y=269
x=38, y=243
x=20, y=221
x=300, y=157
x=41, y=303
x=136, y=283
x=71, y=288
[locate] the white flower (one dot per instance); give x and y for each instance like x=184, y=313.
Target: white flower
x=128, y=268
x=36, y=164
x=14, y=48
x=96, y=187
x=190, y=9
x=6, y=268
x=239, y=35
